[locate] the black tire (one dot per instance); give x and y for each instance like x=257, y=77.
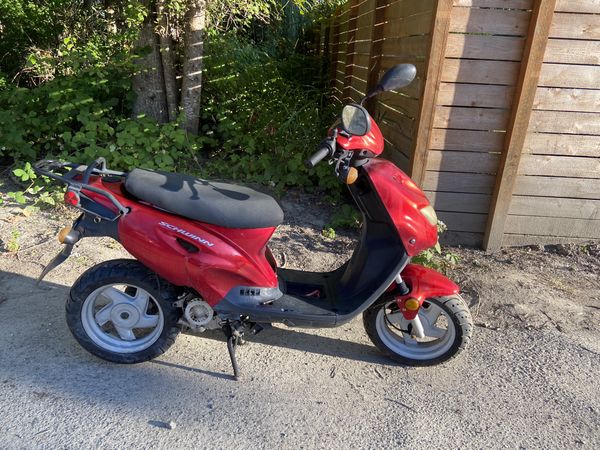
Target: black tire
x=124, y=272
x=456, y=310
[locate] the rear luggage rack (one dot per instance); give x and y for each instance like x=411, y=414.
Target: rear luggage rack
x=77, y=178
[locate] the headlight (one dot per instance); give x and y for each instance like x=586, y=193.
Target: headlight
x=430, y=214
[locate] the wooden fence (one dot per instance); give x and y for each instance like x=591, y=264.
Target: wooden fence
x=502, y=126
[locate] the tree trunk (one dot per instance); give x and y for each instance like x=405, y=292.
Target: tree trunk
x=192, y=64
x=168, y=61
x=149, y=83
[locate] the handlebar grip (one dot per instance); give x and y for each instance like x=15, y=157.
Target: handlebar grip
x=318, y=156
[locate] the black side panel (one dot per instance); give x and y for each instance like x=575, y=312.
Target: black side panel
x=378, y=258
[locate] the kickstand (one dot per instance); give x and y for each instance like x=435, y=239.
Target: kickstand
x=232, y=343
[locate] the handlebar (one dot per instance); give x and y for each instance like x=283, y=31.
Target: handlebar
x=325, y=150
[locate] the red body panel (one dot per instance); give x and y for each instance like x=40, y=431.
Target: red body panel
x=226, y=258
x=372, y=141
x=403, y=200
x=424, y=283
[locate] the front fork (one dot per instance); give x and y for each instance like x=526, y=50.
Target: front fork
x=409, y=307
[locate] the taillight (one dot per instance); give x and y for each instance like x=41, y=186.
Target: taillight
x=72, y=198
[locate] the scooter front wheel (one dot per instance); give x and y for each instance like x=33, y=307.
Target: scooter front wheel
x=447, y=325
x=122, y=312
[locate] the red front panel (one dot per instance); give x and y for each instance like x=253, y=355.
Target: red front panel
x=403, y=200
x=372, y=141
x=225, y=258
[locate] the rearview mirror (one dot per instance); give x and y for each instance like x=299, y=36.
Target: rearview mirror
x=397, y=77
x=355, y=120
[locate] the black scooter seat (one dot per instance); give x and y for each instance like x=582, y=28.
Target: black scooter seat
x=222, y=204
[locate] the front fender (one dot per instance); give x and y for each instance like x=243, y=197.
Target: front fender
x=425, y=283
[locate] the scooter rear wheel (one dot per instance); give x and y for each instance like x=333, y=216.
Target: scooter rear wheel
x=446, y=321
x=122, y=312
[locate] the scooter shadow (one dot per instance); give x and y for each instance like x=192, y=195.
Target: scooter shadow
x=309, y=343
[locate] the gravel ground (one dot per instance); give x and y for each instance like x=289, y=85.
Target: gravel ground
x=528, y=380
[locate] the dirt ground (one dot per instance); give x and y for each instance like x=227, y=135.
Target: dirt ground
x=528, y=380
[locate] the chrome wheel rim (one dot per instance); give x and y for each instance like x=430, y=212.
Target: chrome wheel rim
x=122, y=318
x=440, y=332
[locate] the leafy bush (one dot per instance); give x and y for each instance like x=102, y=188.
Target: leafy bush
x=436, y=257
x=266, y=115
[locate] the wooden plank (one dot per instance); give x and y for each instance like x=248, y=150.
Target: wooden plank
x=560, y=166
x=359, y=85
x=353, y=94
x=477, y=95
x=461, y=238
x=576, y=26
x=458, y=182
x=401, y=121
x=402, y=103
x=360, y=60
x=577, y=228
x=561, y=99
x=405, y=8
x=396, y=156
x=541, y=19
x=506, y=22
x=562, y=144
x=581, y=6
x=349, y=66
x=406, y=46
x=564, y=75
x=335, y=48
x=558, y=187
x=555, y=207
x=473, y=223
x=466, y=140
x=409, y=26
x=435, y=57
x=450, y=201
x=518, y=240
x=365, y=21
x=391, y=132
x=374, y=67
x=508, y=4
x=564, y=122
x=572, y=51
x=472, y=162
x=484, y=72
x=470, y=118
x=484, y=47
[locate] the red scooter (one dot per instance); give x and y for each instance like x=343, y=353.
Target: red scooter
x=202, y=260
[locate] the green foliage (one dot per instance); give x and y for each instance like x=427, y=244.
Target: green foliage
x=24, y=24
x=346, y=216
x=436, y=257
x=13, y=245
x=37, y=187
x=265, y=115
x=328, y=233
x=264, y=106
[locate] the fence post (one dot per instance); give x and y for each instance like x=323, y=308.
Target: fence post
x=375, y=51
x=531, y=65
x=350, y=49
x=431, y=85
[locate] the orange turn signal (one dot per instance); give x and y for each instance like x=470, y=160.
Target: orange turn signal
x=62, y=234
x=352, y=175
x=412, y=304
